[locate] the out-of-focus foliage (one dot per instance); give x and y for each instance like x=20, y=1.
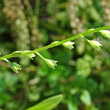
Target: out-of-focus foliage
x=82, y=74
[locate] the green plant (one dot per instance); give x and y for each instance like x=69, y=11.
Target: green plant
x=82, y=74
x=66, y=43
x=47, y=104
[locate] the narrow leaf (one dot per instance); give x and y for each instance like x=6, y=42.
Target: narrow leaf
x=47, y=104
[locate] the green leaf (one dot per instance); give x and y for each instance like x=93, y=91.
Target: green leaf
x=86, y=98
x=73, y=103
x=47, y=104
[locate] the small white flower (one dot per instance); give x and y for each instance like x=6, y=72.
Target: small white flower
x=68, y=45
x=31, y=55
x=15, y=67
x=96, y=45
x=105, y=33
x=51, y=63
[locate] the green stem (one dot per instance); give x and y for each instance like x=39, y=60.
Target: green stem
x=40, y=56
x=54, y=44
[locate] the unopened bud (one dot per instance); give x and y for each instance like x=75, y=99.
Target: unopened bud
x=105, y=33
x=51, y=63
x=68, y=45
x=96, y=45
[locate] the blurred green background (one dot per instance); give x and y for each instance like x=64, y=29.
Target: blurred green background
x=82, y=74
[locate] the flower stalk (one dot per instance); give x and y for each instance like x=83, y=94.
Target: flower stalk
x=55, y=44
x=66, y=43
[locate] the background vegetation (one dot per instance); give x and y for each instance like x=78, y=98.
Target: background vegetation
x=82, y=74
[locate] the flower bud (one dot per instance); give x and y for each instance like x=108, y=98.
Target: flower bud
x=105, y=33
x=31, y=55
x=96, y=45
x=14, y=66
x=68, y=45
x=51, y=63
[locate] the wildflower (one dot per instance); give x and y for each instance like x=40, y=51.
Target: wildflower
x=51, y=63
x=31, y=55
x=105, y=33
x=68, y=45
x=14, y=66
x=96, y=45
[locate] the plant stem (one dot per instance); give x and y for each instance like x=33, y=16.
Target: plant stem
x=54, y=44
